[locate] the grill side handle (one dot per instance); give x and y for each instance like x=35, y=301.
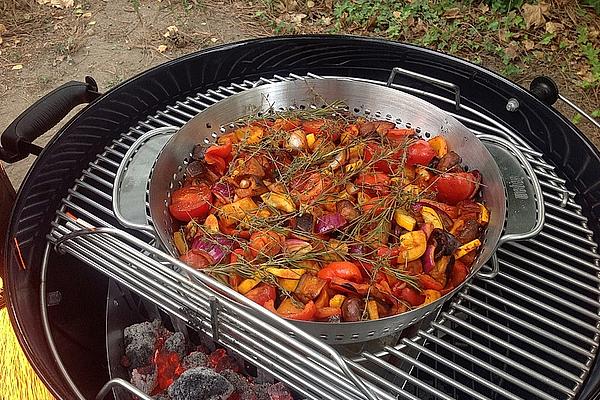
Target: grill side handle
x=132, y=176
x=17, y=140
x=523, y=195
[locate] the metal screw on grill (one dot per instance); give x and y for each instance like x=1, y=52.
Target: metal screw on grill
x=512, y=105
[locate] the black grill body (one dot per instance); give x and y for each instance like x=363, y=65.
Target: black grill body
x=77, y=322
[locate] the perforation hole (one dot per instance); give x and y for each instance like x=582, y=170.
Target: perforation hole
x=378, y=114
x=427, y=135
x=208, y=125
x=312, y=106
x=339, y=337
x=302, y=107
x=367, y=111
x=214, y=135
x=408, y=125
x=371, y=333
x=354, y=336
x=323, y=336
x=206, y=141
x=388, y=117
x=398, y=121
x=356, y=110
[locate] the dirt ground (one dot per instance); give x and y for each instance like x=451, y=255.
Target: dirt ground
x=111, y=40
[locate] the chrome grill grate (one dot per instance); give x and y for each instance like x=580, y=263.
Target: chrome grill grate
x=532, y=332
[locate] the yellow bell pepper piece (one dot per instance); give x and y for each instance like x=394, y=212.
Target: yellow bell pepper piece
x=337, y=300
x=279, y=201
x=484, y=214
x=286, y=273
x=235, y=212
x=412, y=245
x=353, y=166
x=440, y=145
x=412, y=189
x=405, y=221
x=288, y=284
x=252, y=134
x=431, y=296
x=467, y=248
x=372, y=309
x=310, y=140
x=180, y=243
x=211, y=224
x=247, y=285
x=430, y=216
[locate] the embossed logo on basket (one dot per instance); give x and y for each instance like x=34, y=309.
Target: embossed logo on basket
x=518, y=187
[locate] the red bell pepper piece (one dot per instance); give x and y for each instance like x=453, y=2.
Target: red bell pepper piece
x=325, y=313
x=289, y=310
x=427, y=282
x=262, y=293
x=341, y=269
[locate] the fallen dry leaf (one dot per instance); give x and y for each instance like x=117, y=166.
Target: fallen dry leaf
x=92, y=23
x=452, y=13
x=214, y=40
x=326, y=21
x=310, y=4
x=483, y=8
x=171, y=31
x=397, y=14
x=528, y=44
x=553, y=27
x=57, y=3
x=17, y=67
x=297, y=18
x=161, y=48
x=534, y=14
x=512, y=50
x=87, y=15
x=2, y=29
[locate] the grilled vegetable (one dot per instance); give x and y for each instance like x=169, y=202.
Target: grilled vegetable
x=330, y=218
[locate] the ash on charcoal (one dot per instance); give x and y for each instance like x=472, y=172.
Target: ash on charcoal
x=144, y=379
x=200, y=384
x=278, y=391
x=262, y=391
x=241, y=385
x=195, y=359
x=139, y=343
x=176, y=344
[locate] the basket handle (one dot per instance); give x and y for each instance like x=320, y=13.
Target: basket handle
x=122, y=178
x=524, y=193
x=452, y=86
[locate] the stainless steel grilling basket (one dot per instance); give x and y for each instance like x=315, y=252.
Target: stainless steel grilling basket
x=511, y=192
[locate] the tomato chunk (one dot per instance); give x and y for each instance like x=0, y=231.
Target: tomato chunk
x=420, y=152
x=313, y=126
x=191, y=202
x=455, y=187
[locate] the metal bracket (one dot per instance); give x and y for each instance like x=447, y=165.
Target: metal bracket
x=123, y=384
x=452, y=86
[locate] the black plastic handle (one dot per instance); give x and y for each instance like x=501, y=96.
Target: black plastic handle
x=16, y=141
x=545, y=89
